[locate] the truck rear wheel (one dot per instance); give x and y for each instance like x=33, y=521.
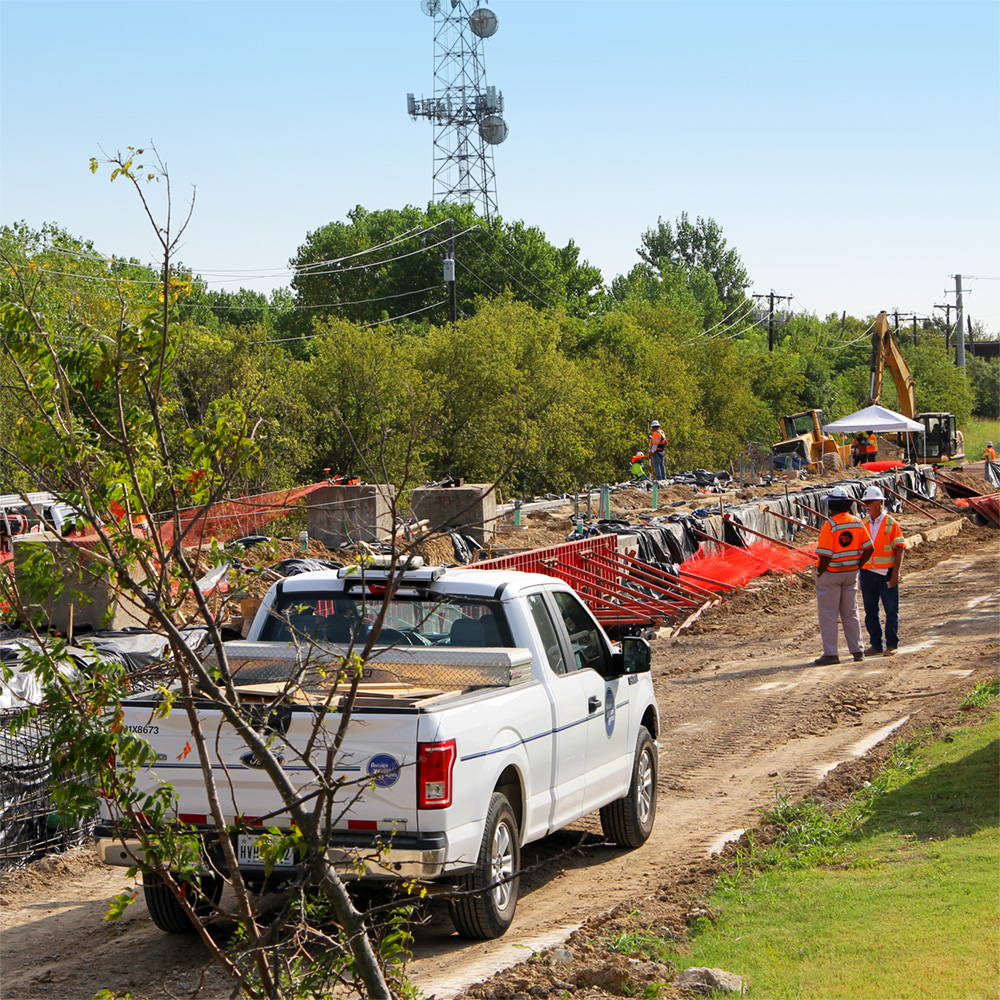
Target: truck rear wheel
x=488, y=909
x=628, y=821
x=165, y=909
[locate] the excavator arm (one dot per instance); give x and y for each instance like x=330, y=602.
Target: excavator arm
x=885, y=351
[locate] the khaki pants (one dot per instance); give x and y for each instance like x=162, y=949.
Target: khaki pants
x=837, y=597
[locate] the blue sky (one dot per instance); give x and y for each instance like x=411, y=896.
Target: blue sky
x=849, y=150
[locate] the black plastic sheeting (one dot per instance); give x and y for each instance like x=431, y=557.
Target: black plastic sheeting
x=909, y=482
x=992, y=474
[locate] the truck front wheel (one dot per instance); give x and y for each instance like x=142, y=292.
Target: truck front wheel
x=628, y=821
x=488, y=909
x=165, y=909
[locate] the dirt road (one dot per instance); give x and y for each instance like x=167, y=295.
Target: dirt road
x=743, y=713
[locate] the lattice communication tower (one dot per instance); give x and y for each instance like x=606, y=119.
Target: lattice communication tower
x=465, y=112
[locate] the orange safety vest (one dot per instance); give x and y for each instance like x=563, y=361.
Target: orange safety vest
x=887, y=539
x=989, y=455
x=656, y=439
x=872, y=445
x=842, y=539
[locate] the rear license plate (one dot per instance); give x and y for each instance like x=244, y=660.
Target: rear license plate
x=248, y=853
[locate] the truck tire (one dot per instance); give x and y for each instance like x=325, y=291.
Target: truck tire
x=628, y=821
x=488, y=912
x=832, y=462
x=165, y=909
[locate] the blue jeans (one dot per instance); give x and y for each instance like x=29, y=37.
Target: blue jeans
x=875, y=588
x=659, y=468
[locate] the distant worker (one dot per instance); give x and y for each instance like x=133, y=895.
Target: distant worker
x=844, y=544
x=658, y=450
x=989, y=455
x=872, y=447
x=879, y=577
x=638, y=471
x=859, y=448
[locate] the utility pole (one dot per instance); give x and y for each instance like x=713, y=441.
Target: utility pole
x=959, y=325
x=771, y=299
x=914, y=329
x=449, y=275
x=947, y=307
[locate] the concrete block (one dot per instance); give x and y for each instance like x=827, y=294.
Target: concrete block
x=938, y=531
x=86, y=598
x=472, y=509
x=352, y=514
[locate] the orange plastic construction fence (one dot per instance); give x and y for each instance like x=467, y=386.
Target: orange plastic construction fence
x=733, y=567
x=230, y=519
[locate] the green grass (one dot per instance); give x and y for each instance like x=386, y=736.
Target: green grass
x=976, y=433
x=897, y=897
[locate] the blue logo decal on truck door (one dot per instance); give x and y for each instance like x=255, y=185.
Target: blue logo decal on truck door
x=384, y=768
x=609, y=711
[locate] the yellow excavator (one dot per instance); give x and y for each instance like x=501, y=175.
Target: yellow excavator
x=940, y=440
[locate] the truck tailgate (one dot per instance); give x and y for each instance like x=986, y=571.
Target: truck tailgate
x=376, y=765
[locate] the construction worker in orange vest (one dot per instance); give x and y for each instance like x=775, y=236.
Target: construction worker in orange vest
x=844, y=544
x=879, y=576
x=872, y=447
x=638, y=470
x=658, y=450
x=989, y=455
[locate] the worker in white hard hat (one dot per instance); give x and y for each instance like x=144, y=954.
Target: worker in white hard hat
x=989, y=455
x=879, y=576
x=844, y=544
x=658, y=450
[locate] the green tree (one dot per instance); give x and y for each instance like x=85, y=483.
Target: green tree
x=381, y=264
x=694, y=246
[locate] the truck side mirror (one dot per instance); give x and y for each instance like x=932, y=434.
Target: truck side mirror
x=635, y=657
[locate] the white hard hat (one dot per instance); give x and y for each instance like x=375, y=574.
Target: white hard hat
x=655, y=423
x=838, y=493
x=873, y=493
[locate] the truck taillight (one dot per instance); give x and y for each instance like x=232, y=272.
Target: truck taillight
x=435, y=762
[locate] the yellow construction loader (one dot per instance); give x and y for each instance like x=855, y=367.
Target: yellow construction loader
x=805, y=445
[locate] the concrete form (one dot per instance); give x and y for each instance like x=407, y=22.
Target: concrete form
x=86, y=598
x=351, y=514
x=471, y=509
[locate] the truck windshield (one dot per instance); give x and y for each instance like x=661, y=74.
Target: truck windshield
x=428, y=620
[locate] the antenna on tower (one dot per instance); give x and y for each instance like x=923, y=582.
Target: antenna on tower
x=465, y=112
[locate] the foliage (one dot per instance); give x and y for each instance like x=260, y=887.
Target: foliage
x=982, y=694
x=550, y=388
x=387, y=263
x=984, y=377
x=683, y=247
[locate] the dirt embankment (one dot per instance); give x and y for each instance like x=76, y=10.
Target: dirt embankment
x=744, y=715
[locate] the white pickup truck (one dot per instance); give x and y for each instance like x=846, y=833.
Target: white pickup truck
x=493, y=711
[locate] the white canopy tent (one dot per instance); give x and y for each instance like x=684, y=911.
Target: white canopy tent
x=873, y=418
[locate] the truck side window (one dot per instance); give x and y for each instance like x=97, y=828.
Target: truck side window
x=550, y=641
x=585, y=640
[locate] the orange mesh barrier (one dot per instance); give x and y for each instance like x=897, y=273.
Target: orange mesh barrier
x=733, y=566
x=230, y=519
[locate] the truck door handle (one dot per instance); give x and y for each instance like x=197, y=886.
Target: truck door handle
x=593, y=703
